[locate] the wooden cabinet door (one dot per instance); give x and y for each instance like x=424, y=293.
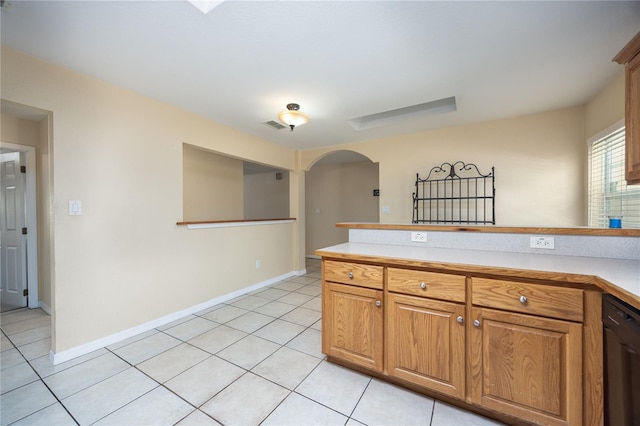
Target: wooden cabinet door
x=632, y=121
x=527, y=366
x=630, y=57
x=426, y=343
x=352, y=324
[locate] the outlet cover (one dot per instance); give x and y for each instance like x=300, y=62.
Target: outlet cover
x=419, y=237
x=546, y=243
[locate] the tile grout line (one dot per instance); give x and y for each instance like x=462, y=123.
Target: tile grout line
x=42, y=381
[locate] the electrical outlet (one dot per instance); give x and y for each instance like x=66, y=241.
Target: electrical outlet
x=419, y=237
x=542, y=243
x=258, y=264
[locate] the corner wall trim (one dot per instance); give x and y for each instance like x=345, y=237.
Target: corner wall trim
x=86, y=348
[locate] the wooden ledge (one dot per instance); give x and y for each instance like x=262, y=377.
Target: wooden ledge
x=605, y=232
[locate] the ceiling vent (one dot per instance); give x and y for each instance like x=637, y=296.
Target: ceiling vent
x=275, y=125
x=397, y=115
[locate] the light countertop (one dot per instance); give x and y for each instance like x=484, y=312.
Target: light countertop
x=617, y=276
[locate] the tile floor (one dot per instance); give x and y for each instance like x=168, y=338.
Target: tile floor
x=254, y=360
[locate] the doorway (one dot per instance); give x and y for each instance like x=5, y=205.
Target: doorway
x=342, y=186
x=18, y=241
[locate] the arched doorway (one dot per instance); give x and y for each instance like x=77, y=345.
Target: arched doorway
x=339, y=187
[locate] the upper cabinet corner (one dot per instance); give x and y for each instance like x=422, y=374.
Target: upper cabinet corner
x=629, y=56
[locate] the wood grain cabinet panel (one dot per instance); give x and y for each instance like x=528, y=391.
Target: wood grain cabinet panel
x=426, y=343
x=535, y=299
x=526, y=366
x=521, y=349
x=352, y=324
x=359, y=274
x=630, y=57
x=427, y=284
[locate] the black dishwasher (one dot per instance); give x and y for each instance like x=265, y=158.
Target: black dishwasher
x=621, y=362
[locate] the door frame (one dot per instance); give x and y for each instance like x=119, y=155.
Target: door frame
x=32, y=220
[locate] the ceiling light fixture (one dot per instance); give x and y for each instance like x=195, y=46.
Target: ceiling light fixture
x=293, y=117
x=205, y=6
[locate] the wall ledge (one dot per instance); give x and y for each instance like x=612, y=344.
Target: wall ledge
x=204, y=224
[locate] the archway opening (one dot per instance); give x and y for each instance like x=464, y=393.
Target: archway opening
x=342, y=186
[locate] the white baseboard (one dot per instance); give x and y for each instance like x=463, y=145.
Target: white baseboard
x=45, y=307
x=313, y=256
x=86, y=348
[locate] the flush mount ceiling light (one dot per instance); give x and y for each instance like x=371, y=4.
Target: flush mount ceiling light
x=292, y=117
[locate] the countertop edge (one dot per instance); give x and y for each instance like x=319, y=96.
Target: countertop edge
x=559, y=277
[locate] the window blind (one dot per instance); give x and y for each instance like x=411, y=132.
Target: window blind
x=609, y=194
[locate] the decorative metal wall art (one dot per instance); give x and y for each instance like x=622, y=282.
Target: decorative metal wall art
x=455, y=194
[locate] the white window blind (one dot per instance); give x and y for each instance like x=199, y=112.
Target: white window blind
x=609, y=194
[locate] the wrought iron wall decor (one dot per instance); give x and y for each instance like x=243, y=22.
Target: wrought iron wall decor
x=455, y=193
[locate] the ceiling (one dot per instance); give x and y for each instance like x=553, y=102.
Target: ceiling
x=241, y=63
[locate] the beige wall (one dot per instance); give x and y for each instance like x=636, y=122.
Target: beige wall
x=265, y=197
x=606, y=107
x=121, y=154
x=212, y=186
x=35, y=133
x=338, y=193
x=124, y=261
x=538, y=162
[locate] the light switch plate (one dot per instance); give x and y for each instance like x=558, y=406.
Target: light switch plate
x=75, y=207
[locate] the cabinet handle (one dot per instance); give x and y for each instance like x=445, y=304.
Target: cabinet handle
x=460, y=319
x=378, y=303
x=423, y=286
x=476, y=323
x=523, y=299
x=350, y=275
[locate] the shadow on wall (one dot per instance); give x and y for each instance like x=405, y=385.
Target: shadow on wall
x=339, y=188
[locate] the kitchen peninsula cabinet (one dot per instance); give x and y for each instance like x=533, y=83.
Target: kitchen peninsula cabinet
x=426, y=342
x=425, y=332
x=524, y=350
x=629, y=56
x=530, y=364
x=526, y=366
x=352, y=320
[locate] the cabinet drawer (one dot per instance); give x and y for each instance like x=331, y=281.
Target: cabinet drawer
x=427, y=284
x=353, y=273
x=544, y=300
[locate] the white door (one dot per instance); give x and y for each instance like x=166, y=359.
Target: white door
x=13, y=269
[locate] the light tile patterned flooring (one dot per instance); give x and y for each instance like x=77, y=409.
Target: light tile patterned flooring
x=253, y=360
